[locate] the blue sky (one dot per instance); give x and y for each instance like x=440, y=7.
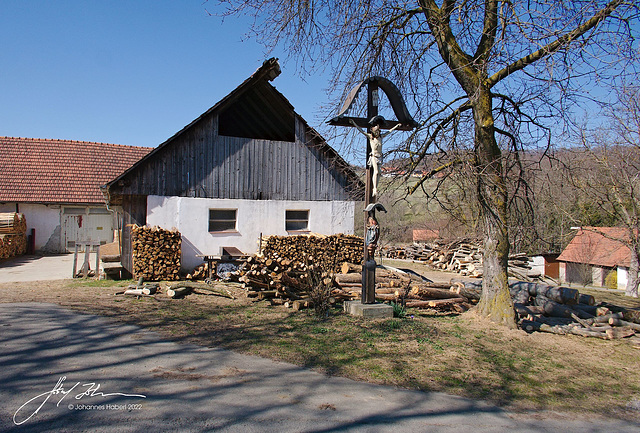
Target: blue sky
x=126, y=72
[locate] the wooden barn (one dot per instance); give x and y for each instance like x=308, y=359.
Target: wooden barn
x=249, y=166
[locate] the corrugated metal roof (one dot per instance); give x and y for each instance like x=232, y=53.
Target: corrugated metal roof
x=34, y=170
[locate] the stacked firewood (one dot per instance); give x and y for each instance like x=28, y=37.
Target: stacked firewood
x=13, y=234
x=156, y=253
x=329, y=252
x=462, y=256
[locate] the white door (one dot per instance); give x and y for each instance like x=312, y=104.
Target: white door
x=86, y=224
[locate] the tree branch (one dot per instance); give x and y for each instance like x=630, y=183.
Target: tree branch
x=554, y=46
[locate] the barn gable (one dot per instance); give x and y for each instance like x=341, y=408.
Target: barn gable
x=251, y=153
x=251, y=145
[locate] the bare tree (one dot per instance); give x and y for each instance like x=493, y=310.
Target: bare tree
x=606, y=166
x=482, y=76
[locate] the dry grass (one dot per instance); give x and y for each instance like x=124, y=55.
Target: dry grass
x=460, y=355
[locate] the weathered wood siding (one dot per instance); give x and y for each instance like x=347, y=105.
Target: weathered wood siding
x=134, y=212
x=205, y=164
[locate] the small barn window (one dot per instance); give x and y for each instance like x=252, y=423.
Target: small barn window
x=222, y=220
x=297, y=220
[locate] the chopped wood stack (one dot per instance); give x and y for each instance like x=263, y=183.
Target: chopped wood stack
x=462, y=256
x=156, y=253
x=329, y=252
x=13, y=234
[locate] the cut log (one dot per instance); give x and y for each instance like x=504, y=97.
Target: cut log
x=531, y=326
x=524, y=310
x=587, y=333
x=194, y=285
x=347, y=268
x=179, y=292
x=425, y=292
x=470, y=291
x=586, y=299
x=134, y=292
x=552, y=308
x=439, y=303
x=621, y=332
x=630, y=325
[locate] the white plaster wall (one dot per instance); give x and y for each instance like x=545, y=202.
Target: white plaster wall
x=45, y=219
x=562, y=272
x=623, y=278
x=254, y=217
x=537, y=264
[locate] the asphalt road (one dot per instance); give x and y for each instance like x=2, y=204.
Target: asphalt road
x=65, y=371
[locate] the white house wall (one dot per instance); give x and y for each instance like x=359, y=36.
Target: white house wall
x=190, y=216
x=622, y=277
x=45, y=219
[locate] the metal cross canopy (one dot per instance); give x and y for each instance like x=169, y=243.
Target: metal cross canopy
x=404, y=122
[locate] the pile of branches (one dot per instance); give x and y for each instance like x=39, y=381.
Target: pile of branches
x=13, y=234
x=156, y=253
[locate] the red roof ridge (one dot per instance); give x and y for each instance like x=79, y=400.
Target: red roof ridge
x=69, y=141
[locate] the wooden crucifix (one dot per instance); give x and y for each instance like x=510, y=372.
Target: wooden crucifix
x=374, y=124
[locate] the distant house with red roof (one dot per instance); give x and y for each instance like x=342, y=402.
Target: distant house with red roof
x=593, y=253
x=56, y=185
x=425, y=235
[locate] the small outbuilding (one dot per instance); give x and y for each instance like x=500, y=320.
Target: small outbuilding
x=593, y=254
x=250, y=166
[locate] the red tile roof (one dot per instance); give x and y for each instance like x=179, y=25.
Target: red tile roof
x=36, y=170
x=598, y=246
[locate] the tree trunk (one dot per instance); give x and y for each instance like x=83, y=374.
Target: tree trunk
x=632, y=282
x=495, y=302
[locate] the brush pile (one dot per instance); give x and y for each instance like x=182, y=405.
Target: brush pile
x=156, y=253
x=13, y=234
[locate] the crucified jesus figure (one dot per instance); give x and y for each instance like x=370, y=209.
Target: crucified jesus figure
x=375, y=141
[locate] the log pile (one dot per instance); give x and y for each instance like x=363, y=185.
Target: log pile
x=156, y=253
x=562, y=310
x=13, y=234
x=410, y=290
x=461, y=256
x=286, y=282
x=329, y=252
